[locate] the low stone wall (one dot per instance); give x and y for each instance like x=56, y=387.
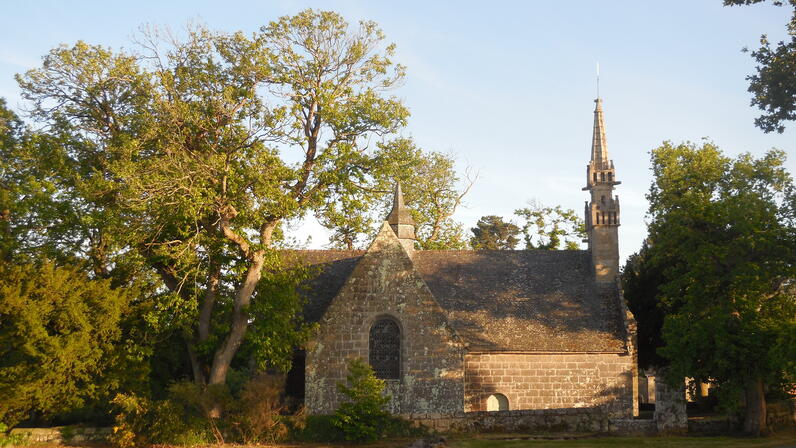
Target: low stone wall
x=778, y=414
x=633, y=427
x=63, y=434
x=570, y=419
x=781, y=413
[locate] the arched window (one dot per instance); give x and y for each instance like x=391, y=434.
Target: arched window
x=610, y=177
x=595, y=177
x=497, y=402
x=385, y=349
x=602, y=177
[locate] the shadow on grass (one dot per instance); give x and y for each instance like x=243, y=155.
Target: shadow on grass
x=783, y=438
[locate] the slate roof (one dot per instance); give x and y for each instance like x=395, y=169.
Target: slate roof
x=525, y=300
x=332, y=269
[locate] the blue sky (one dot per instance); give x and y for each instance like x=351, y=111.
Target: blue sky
x=507, y=87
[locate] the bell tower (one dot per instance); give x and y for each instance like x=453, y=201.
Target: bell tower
x=602, y=212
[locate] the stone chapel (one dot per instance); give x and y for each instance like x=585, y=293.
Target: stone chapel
x=457, y=331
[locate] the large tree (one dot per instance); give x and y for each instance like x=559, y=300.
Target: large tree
x=774, y=85
x=722, y=245
x=201, y=147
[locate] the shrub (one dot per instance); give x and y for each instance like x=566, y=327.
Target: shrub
x=255, y=416
x=184, y=418
x=141, y=422
x=317, y=428
x=362, y=418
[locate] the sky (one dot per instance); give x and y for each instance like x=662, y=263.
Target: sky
x=506, y=87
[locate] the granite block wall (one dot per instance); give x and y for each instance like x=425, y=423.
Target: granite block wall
x=551, y=381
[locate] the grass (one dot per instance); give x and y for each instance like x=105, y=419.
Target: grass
x=781, y=439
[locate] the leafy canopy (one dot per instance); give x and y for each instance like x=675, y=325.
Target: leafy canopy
x=774, y=85
x=722, y=247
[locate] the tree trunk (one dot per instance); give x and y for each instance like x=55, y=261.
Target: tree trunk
x=222, y=358
x=755, y=422
x=208, y=300
x=196, y=368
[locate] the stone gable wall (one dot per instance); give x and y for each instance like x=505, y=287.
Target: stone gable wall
x=551, y=381
x=384, y=283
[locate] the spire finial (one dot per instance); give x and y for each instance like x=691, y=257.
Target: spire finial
x=598, y=79
x=399, y=213
x=398, y=196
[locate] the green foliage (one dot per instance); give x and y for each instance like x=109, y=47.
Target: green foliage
x=492, y=233
x=551, y=228
x=774, y=85
x=58, y=339
x=722, y=246
x=641, y=278
x=276, y=325
x=12, y=182
x=362, y=417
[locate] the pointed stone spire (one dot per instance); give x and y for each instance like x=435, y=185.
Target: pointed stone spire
x=400, y=219
x=599, y=147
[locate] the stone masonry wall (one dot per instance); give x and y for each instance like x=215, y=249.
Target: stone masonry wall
x=385, y=283
x=551, y=381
